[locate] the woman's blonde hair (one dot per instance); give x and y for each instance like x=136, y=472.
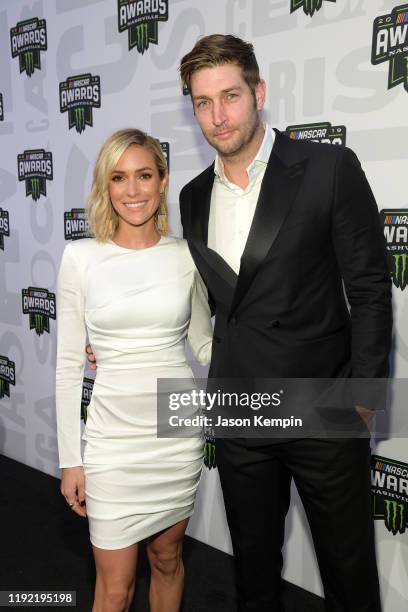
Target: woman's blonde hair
x=103, y=219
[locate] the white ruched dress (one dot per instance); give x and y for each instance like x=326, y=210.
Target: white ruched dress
x=137, y=307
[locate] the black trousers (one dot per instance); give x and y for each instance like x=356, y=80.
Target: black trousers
x=333, y=481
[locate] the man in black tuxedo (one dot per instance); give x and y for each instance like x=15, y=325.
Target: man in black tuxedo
x=275, y=226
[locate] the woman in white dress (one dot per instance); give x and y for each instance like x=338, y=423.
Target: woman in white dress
x=137, y=294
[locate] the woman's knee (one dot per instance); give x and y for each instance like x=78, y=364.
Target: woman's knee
x=165, y=561
x=115, y=595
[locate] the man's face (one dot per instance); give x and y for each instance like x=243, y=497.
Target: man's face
x=226, y=109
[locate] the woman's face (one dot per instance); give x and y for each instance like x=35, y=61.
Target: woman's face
x=135, y=186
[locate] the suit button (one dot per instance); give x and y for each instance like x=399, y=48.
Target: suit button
x=233, y=321
x=275, y=323
x=217, y=339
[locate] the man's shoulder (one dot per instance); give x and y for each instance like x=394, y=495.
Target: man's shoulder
x=199, y=180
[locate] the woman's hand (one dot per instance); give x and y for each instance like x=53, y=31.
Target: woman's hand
x=73, y=488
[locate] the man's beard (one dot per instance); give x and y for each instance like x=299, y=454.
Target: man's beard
x=235, y=148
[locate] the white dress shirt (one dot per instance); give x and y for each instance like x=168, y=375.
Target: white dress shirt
x=232, y=208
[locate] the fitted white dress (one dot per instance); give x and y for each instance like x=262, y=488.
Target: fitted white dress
x=137, y=307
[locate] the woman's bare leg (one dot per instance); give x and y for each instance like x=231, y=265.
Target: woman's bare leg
x=167, y=571
x=115, y=578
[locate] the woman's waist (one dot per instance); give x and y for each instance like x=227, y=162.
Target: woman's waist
x=116, y=357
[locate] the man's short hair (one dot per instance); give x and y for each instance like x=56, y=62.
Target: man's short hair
x=219, y=49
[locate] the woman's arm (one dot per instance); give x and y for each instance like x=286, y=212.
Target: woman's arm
x=200, y=331
x=69, y=378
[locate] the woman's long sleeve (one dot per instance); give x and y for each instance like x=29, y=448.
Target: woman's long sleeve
x=70, y=359
x=200, y=331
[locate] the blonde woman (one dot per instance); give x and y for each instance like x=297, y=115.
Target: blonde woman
x=136, y=293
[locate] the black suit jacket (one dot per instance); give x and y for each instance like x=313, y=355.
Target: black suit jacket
x=316, y=224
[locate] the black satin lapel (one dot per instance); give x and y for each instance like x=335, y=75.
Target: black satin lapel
x=216, y=273
x=278, y=191
x=201, y=207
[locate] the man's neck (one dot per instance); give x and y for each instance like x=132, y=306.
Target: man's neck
x=235, y=167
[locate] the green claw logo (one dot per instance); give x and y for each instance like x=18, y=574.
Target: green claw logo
x=141, y=19
x=400, y=273
x=310, y=7
x=39, y=324
x=142, y=43
x=395, y=516
x=29, y=62
x=35, y=188
x=79, y=119
x=27, y=39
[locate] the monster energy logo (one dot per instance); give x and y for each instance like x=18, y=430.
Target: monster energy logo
x=79, y=119
x=394, y=516
x=29, y=62
x=39, y=324
x=35, y=188
x=400, y=273
x=310, y=7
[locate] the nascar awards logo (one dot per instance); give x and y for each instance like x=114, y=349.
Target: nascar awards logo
x=39, y=304
x=318, y=132
x=7, y=375
x=140, y=18
x=35, y=168
x=4, y=226
x=76, y=224
x=165, y=147
x=395, y=224
x=1, y=108
x=390, y=44
x=309, y=6
x=389, y=486
x=78, y=96
x=87, y=387
x=27, y=39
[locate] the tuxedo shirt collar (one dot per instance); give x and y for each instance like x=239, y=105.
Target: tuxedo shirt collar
x=257, y=165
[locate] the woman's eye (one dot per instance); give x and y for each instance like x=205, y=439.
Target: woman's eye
x=145, y=176
x=116, y=178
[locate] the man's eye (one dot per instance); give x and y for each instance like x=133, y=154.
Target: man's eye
x=202, y=103
x=231, y=96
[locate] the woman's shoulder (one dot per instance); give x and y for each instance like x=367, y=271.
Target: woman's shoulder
x=83, y=246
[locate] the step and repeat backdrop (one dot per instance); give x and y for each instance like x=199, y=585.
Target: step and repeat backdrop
x=73, y=71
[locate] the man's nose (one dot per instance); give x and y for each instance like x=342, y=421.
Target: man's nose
x=219, y=114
